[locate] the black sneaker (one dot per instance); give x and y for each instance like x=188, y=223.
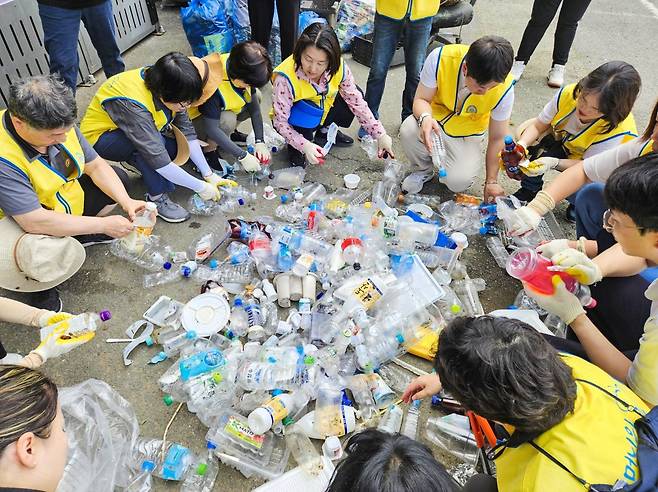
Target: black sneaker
x=525, y=195
x=570, y=214
x=92, y=239
x=342, y=140
x=239, y=137
x=46, y=299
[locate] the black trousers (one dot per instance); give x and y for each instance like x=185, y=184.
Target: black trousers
x=260, y=17
x=543, y=12
x=95, y=198
x=340, y=113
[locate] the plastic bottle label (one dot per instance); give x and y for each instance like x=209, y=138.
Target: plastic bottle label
x=389, y=227
x=367, y=293
x=242, y=432
x=277, y=409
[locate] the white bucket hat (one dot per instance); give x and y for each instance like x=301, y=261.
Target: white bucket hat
x=34, y=262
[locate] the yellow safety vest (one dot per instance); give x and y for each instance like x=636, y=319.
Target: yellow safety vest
x=127, y=85
x=597, y=442
x=54, y=190
x=416, y=9
x=303, y=90
x=234, y=99
x=473, y=117
x=647, y=148
x=577, y=145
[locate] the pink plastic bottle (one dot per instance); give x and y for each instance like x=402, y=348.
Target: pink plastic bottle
x=531, y=268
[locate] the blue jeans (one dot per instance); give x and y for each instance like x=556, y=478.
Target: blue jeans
x=387, y=34
x=60, y=34
x=115, y=146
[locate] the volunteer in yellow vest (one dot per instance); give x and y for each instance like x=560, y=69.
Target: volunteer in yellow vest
x=611, y=335
x=230, y=97
x=393, y=18
x=580, y=121
x=131, y=118
x=52, y=181
x=589, y=174
x=314, y=88
x=464, y=92
x=547, y=402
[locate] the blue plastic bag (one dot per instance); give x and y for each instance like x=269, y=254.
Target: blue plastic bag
x=206, y=27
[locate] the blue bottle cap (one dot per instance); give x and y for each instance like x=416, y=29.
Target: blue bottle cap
x=277, y=392
x=240, y=201
x=237, y=302
x=148, y=466
x=271, y=359
x=509, y=140
x=213, y=263
x=186, y=271
x=166, y=265
x=149, y=341
x=284, y=198
x=442, y=173
x=399, y=338
x=190, y=334
x=211, y=445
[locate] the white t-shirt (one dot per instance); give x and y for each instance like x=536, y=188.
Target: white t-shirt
x=643, y=375
x=599, y=167
x=502, y=112
x=574, y=126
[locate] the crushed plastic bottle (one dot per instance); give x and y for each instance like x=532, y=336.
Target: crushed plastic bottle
x=410, y=428
x=438, y=156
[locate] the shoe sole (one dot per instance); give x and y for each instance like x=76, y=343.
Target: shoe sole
x=554, y=86
x=173, y=221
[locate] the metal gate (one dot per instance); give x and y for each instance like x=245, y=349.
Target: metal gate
x=22, y=53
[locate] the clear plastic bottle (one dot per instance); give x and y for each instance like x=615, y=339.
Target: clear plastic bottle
x=275, y=410
x=360, y=388
x=198, y=206
x=452, y=433
x=201, y=478
x=177, y=458
x=467, y=291
x=392, y=420
x=204, y=246
x=238, y=321
x=328, y=410
x=439, y=155
x=304, y=452
x=174, y=341
x=410, y=428
x=143, y=227
x=497, y=250
x=81, y=323
x=287, y=375
x=255, y=331
x=369, y=145
x=144, y=481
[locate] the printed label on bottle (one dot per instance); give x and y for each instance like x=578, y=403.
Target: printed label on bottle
x=381, y=393
x=389, y=227
x=277, y=409
x=242, y=432
x=285, y=237
x=367, y=293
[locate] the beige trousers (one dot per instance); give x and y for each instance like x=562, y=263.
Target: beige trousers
x=463, y=155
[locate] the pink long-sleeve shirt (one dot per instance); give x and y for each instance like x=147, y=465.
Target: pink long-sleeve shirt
x=282, y=100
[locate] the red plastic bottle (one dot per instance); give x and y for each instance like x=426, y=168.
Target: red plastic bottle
x=512, y=155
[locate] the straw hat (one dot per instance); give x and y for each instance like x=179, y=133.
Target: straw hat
x=34, y=262
x=211, y=69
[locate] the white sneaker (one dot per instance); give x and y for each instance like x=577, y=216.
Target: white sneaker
x=517, y=69
x=556, y=76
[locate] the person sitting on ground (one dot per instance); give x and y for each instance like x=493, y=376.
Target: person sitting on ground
x=130, y=119
x=230, y=97
x=580, y=121
x=464, y=91
x=632, y=195
x=33, y=442
x=51, y=180
x=555, y=408
x=314, y=88
x=379, y=461
x=587, y=178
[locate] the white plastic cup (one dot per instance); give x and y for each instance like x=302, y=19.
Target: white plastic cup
x=332, y=448
x=295, y=288
x=282, y=284
x=352, y=181
x=308, y=287
x=269, y=291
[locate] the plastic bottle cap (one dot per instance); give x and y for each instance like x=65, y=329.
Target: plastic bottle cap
x=148, y=466
x=190, y=334
x=201, y=469
x=284, y=198
x=277, y=392
x=105, y=315
x=508, y=140
x=455, y=308
x=213, y=263
x=399, y=338
x=240, y=201
x=217, y=377
x=460, y=239
x=350, y=241
x=151, y=207
x=287, y=420
x=149, y=341
x=237, y=302
x=211, y=445
x=167, y=265
x=309, y=360
x=168, y=400
x=271, y=359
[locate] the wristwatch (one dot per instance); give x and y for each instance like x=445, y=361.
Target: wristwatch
x=422, y=117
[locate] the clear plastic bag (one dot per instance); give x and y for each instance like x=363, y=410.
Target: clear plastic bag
x=102, y=429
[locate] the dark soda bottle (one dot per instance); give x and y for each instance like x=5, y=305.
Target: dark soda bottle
x=512, y=155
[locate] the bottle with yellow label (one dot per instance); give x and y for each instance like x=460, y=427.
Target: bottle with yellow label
x=275, y=410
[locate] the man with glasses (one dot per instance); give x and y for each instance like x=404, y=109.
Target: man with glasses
x=140, y=117
x=632, y=195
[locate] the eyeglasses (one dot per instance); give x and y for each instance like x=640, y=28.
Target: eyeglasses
x=609, y=222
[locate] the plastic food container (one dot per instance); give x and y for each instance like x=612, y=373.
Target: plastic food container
x=352, y=181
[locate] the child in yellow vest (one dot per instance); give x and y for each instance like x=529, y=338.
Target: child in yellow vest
x=583, y=120
x=314, y=88
x=464, y=92
x=549, y=403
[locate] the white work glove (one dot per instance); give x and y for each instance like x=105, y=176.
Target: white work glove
x=314, y=153
x=578, y=265
x=250, y=163
x=385, y=146
x=209, y=192
x=538, y=166
x=58, y=342
x=551, y=248
x=262, y=152
x=527, y=218
x=561, y=302
x=51, y=317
